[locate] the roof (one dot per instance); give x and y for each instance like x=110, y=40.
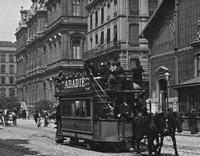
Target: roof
x=7, y=44
x=158, y=16
x=189, y=83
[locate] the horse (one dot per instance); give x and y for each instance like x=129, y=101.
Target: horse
x=151, y=127
x=173, y=122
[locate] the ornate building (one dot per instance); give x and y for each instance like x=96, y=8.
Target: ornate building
x=7, y=73
x=113, y=31
x=50, y=38
x=173, y=35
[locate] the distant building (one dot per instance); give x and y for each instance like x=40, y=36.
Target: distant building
x=50, y=38
x=7, y=74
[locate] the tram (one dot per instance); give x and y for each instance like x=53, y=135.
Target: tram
x=90, y=113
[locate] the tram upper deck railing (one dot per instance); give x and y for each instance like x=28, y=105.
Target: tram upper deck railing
x=80, y=82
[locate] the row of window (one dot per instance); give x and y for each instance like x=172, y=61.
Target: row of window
x=3, y=69
x=3, y=80
x=102, y=14
x=3, y=58
x=108, y=37
x=11, y=92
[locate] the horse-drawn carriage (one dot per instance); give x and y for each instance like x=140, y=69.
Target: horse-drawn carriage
x=100, y=116
x=7, y=116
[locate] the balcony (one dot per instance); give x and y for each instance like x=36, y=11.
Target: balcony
x=102, y=50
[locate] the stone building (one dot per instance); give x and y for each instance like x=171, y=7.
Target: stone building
x=7, y=74
x=50, y=38
x=173, y=35
x=113, y=31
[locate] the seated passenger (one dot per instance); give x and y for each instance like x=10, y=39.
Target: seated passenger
x=137, y=75
x=104, y=73
x=90, y=69
x=114, y=76
x=125, y=111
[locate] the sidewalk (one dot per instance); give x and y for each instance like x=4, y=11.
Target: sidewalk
x=188, y=133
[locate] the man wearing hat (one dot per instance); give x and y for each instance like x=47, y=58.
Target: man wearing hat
x=193, y=121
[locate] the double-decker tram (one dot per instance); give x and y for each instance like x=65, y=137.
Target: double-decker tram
x=94, y=114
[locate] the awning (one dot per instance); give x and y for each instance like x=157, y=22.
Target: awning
x=189, y=83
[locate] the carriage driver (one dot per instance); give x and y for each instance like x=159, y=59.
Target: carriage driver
x=125, y=111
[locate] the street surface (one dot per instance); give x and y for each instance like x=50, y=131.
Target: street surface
x=26, y=139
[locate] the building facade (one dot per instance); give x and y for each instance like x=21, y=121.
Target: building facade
x=7, y=74
x=113, y=31
x=173, y=35
x=50, y=38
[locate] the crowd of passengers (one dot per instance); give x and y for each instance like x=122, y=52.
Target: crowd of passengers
x=111, y=73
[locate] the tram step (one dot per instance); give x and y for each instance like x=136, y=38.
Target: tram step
x=109, y=114
x=102, y=102
x=105, y=108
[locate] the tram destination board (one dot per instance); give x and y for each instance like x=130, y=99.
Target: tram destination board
x=73, y=84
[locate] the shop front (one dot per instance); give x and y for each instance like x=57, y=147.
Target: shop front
x=189, y=98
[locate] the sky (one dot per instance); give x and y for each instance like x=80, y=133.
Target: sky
x=10, y=17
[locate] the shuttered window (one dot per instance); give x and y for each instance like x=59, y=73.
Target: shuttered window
x=133, y=7
x=134, y=34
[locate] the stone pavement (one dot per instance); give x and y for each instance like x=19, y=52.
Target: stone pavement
x=188, y=144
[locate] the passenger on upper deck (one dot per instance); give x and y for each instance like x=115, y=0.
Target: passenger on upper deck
x=137, y=74
x=90, y=69
x=114, y=76
x=104, y=73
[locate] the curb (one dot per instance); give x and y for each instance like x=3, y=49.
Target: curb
x=187, y=133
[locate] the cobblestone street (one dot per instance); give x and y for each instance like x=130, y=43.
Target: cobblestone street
x=26, y=139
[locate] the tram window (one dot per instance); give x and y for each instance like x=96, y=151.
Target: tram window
x=87, y=107
x=79, y=108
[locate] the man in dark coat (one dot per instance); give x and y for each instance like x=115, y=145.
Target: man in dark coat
x=114, y=76
x=193, y=122
x=137, y=73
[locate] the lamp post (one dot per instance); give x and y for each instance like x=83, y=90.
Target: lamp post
x=167, y=75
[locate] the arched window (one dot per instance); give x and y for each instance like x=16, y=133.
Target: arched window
x=3, y=80
x=12, y=92
x=3, y=68
x=11, y=58
x=11, y=79
x=3, y=92
x=76, y=49
x=11, y=69
x=3, y=58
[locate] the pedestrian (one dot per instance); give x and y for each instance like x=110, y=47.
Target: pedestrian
x=46, y=118
x=24, y=114
x=14, y=116
x=35, y=116
x=193, y=121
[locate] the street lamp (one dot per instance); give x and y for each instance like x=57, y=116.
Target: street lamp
x=167, y=75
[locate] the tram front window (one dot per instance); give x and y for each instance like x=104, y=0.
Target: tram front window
x=78, y=108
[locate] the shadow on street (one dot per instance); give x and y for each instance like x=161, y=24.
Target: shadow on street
x=15, y=147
